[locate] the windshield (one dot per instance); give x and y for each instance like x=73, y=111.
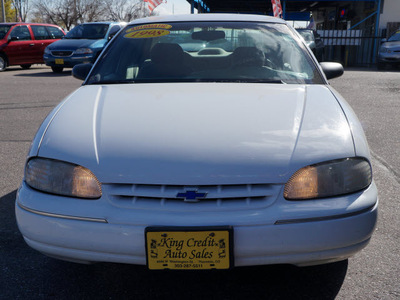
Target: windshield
x=88, y=31
x=3, y=30
x=307, y=35
x=395, y=37
x=206, y=52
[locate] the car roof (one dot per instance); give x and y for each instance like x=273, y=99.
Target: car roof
x=102, y=22
x=209, y=17
x=27, y=23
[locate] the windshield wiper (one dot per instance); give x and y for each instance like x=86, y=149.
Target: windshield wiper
x=171, y=80
x=280, y=81
x=113, y=82
x=238, y=80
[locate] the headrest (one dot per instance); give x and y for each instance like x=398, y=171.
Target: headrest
x=248, y=56
x=166, y=53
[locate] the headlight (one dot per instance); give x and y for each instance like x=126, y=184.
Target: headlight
x=62, y=178
x=333, y=178
x=383, y=50
x=83, y=51
x=46, y=51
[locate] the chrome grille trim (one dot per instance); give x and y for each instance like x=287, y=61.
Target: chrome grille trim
x=52, y=215
x=225, y=197
x=61, y=53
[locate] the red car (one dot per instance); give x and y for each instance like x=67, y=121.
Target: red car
x=23, y=43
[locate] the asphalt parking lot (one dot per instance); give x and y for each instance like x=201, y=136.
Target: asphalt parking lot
x=27, y=96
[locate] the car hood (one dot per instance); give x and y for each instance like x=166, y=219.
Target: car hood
x=73, y=44
x=391, y=45
x=197, y=133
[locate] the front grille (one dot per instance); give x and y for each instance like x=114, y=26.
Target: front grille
x=219, y=197
x=61, y=53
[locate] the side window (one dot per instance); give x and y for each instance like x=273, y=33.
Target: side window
x=40, y=32
x=21, y=33
x=55, y=33
x=113, y=31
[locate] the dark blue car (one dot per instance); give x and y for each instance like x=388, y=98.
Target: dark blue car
x=82, y=44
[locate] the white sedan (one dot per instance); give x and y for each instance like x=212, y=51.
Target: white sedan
x=236, y=153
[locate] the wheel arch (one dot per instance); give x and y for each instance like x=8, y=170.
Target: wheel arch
x=4, y=55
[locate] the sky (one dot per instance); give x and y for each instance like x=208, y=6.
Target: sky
x=176, y=7
x=183, y=7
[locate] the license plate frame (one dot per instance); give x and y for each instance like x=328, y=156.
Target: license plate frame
x=59, y=61
x=189, y=248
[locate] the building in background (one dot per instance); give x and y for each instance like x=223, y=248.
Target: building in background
x=389, y=20
x=351, y=29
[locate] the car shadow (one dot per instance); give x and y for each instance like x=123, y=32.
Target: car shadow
x=391, y=69
x=40, y=277
x=372, y=69
x=44, y=74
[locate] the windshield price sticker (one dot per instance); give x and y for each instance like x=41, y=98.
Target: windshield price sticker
x=188, y=250
x=148, y=31
x=145, y=34
x=149, y=26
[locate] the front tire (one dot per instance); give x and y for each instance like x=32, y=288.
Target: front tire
x=26, y=66
x=3, y=63
x=57, y=69
x=381, y=66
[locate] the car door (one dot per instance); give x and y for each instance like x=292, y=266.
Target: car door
x=20, y=48
x=42, y=38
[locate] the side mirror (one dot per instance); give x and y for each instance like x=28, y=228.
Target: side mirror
x=332, y=69
x=112, y=35
x=12, y=38
x=114, y=30
x=81, y=71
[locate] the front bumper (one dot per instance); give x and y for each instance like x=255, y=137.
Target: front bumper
x=392, y=57
x=68, y=62
x=299, y=242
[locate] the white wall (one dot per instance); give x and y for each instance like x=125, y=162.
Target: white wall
x=390, y=13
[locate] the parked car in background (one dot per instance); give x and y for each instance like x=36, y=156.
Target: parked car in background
x=207, y=159
x=314, y=42
x=389, y=52
x=24, y=43
x=82, y=44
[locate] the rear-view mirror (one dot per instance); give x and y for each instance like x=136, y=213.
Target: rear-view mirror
x=206, y=35
x=12, y=38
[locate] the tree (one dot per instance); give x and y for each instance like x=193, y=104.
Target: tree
x=21, y=9
x=90, y=10
x=125, y=10
x=56, y=12
x=67, y=13
x=9, y=11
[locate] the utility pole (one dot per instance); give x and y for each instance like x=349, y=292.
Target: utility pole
x=75, y=16
x=3, y=10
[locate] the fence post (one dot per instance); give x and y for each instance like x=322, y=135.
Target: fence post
x=378, y=13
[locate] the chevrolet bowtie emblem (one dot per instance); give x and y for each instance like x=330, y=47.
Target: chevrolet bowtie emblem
x=191, y=196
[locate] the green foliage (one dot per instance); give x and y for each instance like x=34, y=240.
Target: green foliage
x=10, y=11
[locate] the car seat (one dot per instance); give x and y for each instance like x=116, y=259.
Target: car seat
x=167, y=61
